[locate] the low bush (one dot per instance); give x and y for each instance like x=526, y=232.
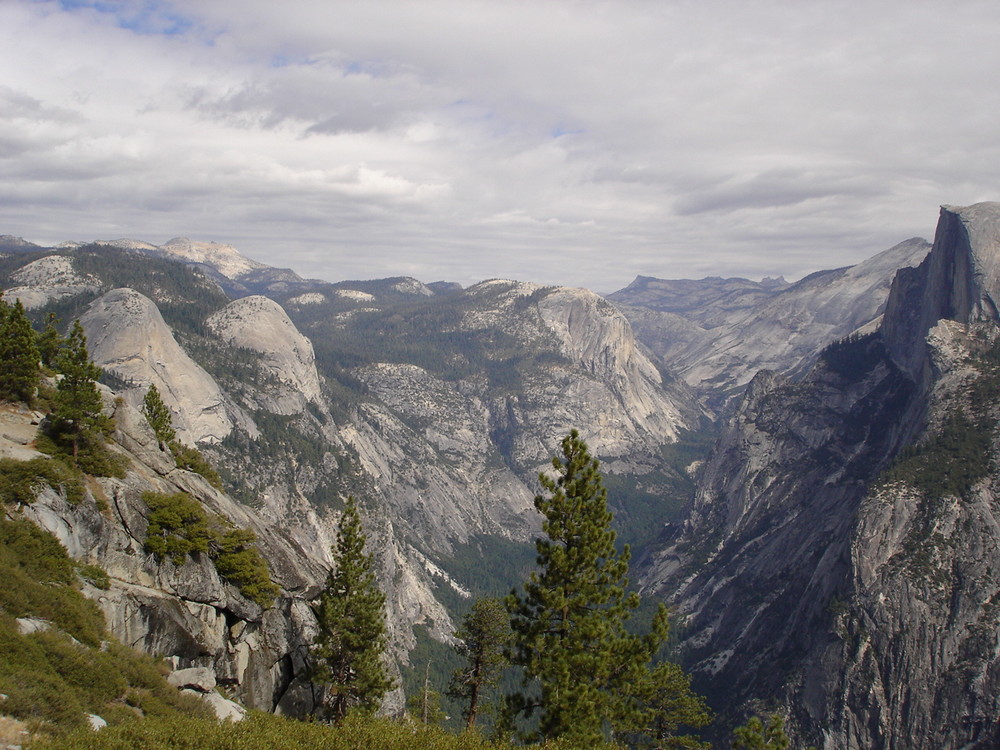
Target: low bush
x=192, y=460
x=266, y=732
x=20, y=481
x=238, y=561
x=179, y=526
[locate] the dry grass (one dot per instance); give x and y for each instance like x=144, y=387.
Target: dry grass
x=12, y=732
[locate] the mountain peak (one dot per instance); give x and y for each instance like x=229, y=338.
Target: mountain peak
x=224, y=258
x=959, y=280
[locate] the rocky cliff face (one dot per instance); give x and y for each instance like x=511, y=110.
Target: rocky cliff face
x=821, y=567
x=589, y=372
x=919, y=663
x=186, y=612
x=127, y=335
x=259, y=324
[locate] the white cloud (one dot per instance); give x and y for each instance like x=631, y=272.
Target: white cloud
x=563, y=142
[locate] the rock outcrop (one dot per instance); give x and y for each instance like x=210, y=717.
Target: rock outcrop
x=588, y=372
x=49, y=279
x=188, y=612
x=225, y=259
x=596, y=337
x=127, y=335
x=261, y=325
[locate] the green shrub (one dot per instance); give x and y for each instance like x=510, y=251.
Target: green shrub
x=20, y=481
x=179, y=526
x=266, y=732
x=93, y=456
x=238, y=561
x=90, y=671
x=35, y=581
x=25, y=546
x=95, y=575
x=34, y=695
x=192, y=460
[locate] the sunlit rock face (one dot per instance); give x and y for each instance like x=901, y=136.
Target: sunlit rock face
x=127, y=335
x=261, y=325
x=46, y=280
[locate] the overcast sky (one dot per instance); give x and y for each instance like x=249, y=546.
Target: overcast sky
x=576, y=143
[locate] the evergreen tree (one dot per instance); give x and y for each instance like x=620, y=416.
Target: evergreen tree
x=78, y=417
x=666, y=704
x=49, y=341
x=158, y=415
x=18, y=354
x=425, y=705
x=352, y=638
x=482, y=641
x=755, y=735
x=582, y=670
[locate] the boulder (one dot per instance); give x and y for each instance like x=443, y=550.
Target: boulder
x=200, y=679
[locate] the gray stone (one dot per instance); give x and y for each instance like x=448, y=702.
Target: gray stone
x=225, y=710
x=96, y=722
x=29, y=625
x=127, y=335
x=261, y=325
x=201, y=679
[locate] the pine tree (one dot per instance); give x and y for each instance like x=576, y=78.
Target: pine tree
x=18, y=354
x=78, y=417
x=425, y=705
x=49, y=341
x=482, y=640
x=350, y=613
x=158, y=416
x=665, y=705
x=582, y=670
x=755, y=735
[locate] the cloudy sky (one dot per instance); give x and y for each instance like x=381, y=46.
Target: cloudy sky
x=563, y=142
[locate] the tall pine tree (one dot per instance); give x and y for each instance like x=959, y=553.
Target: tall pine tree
x=482, y=642
x=158, y=415
x=18, y=353
x=78, y=418
x=348, y=651
x=49, y=341
x=583, y=673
